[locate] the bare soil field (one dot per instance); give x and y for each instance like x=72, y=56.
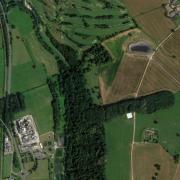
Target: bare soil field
x=137, y=7
x=126, y=81
x=177, y=174
x=156, y=24
x=147, y=157
x=156, y=79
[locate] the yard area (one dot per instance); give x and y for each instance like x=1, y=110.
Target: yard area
x=118, y=140
x=38, y=104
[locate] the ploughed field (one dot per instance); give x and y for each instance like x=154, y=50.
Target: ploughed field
x=138, y=74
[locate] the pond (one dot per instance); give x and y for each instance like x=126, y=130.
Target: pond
x=140, y=47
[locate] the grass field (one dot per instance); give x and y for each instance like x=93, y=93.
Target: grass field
x=7, y=163
x=118, y=139
x=80, y=24
x=41, y=172
x=25, y=77
x=21, y=21
x=145, y=158
x=168, y=126
x=38, y=104
x=2, y=60
x=28, y=52
x=114, y=46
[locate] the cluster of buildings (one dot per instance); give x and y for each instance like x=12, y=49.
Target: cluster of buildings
x=8, y=148
x=26, y=131
x=172, y=8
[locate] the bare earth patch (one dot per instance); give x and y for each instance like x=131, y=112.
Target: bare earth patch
x=137, y=7
x=126, y=81
x=146, y=156
x=156, y=24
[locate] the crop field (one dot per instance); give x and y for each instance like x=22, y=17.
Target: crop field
x=118, y=139
x=7, y=163
x=1, y=64
x=166, y=122
x=138, y=7
x=38, y=104
x=85, y=23
x=163, y=72
x=147, y=157
x=126, y=80
x=156, y=24
x=156, y=79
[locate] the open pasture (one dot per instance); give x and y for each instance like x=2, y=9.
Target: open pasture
x=126, y=81
x=118, y=139
x=42, y=172
x=156, y=24
x=2, y=61
x=38, y=104
x=151, y=160
x=166, y=122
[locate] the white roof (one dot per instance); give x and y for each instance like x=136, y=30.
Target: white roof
x=129, y=115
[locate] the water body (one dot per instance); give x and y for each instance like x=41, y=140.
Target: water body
x=141, y=47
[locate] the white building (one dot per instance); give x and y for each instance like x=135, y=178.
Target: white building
x=129, y=115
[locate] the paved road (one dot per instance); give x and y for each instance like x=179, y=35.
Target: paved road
x=8, y=60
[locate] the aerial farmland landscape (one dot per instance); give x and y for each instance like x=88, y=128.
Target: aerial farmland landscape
x=89, y=89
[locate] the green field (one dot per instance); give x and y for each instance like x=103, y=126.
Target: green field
x=168, y=126
x=25, y=77
x=21, y=21
x=114, y=45
x=7, y=163
x=32, y=64
x=118, y=141
x=38, y=104
x=82, y=23
x=2, y=60
x=41, y=172
x=85, y=23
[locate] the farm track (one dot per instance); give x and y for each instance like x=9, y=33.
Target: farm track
x=151, y=58
x=137, y=92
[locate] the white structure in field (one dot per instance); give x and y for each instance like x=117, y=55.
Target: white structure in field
x=129, y=115
x=26, y=131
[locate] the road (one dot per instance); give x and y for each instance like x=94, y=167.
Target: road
x=137, y=92
x=8, y=59
x=7, y=80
